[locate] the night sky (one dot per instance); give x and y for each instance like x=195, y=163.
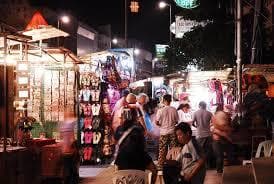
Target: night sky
x=150, y=25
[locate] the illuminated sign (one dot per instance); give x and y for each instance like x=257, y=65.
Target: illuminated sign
x=23, y=80
x=24, y=93
x=160, y=50
x=188, y=4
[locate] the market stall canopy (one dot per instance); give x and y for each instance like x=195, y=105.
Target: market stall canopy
x=12, y=35
x=88, y=57
x=267, y=70
x=53, y=55
x=203, y=76
x=39, y=29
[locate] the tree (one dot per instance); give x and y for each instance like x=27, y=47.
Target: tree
x=206, y=47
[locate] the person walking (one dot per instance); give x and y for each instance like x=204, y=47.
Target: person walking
x=185, y=115
x=202, y=119
x=130, y=150
x=221, y=129
x=116, y=113
x=166, y=119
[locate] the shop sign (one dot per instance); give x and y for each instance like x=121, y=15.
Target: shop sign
x=188, y=4
x=183, y=26
x=160, y=50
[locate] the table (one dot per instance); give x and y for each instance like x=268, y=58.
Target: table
x=263, y=170
x=41, y=142
x=16, y=166
x=12, y=148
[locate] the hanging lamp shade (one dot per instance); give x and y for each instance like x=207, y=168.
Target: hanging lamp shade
x=36, y=22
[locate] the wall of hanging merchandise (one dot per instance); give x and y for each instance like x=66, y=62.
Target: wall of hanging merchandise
x=99, y=91
x=52, y=90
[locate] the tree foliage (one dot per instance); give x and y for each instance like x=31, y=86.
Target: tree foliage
x=206, y=47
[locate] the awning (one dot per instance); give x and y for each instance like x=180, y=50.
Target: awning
x=203, y=76
x=59, y=56
x=13, y=37
x=267, y=70
x=45, y=32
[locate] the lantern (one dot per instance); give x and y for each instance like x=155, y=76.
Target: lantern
x=134, y=6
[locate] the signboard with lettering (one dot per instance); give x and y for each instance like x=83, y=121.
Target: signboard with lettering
x=182, y=26
x=160, y=50
x=188, y=4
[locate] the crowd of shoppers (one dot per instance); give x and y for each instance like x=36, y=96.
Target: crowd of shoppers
x=188, y=142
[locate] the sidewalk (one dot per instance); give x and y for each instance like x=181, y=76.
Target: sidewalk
x=103, y=175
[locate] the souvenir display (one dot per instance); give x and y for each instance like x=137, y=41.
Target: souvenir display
x=100, y=86
x=89, y=97
x=52, y=91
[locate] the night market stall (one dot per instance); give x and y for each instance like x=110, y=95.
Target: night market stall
x=102, y=79
x=39, y=86
x=210, y=86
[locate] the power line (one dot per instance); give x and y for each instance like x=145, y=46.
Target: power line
x=268, y=20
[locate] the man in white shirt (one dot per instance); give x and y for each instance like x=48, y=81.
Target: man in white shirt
x=166, y=119
x=190, y=166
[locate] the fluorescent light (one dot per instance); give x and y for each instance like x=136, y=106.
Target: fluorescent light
x=23, y=93
x=23, y=80
x=22, y=67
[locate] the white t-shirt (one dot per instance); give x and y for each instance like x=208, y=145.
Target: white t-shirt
x=184, y=117
x=188, y=156
x=168, y=118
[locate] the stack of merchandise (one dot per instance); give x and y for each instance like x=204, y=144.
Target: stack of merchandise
x=90, y=120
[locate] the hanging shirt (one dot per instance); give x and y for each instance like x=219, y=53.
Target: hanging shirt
x=87, y=123
x=96, y=109
x=85, y=93
x=88, y=137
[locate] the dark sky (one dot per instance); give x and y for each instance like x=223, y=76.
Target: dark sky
x=150, y=25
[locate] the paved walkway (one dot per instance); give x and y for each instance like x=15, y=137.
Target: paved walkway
x=92, y=175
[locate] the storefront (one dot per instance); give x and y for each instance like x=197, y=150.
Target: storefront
x=38, y=85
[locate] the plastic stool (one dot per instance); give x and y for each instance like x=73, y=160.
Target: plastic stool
x=160, y=177
x=260, y=138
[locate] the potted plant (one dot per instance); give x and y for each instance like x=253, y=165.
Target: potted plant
x=25, y=126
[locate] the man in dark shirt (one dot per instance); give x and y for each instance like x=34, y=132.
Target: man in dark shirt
x=131, y=153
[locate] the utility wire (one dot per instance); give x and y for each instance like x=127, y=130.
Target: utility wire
x=268, y=20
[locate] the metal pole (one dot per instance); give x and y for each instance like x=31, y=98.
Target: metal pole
x=4, y=116
x=126, y=23
x=170, y=34
x=239, y=55
x=58, y=26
